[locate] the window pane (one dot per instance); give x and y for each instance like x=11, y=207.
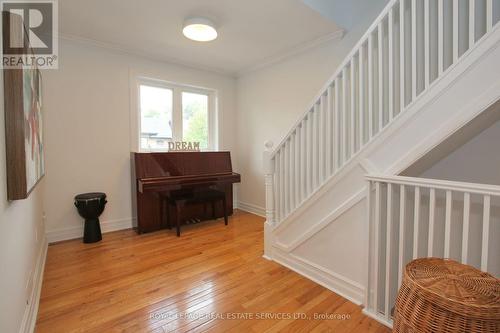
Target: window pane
x=156, y=117
x=195, y=118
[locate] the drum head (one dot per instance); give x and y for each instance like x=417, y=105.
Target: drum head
x=90, y=196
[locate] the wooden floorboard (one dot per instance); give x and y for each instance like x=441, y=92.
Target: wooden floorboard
x=211, y=279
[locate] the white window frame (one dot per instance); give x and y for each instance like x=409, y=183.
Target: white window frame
x=177, y=119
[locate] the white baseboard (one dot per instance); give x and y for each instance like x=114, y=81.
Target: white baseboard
x=335, y=282
x=380, y=318
x=77, y=232
x=30, y=314
x=254, y=209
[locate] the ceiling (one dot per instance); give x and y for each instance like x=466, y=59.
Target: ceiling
x=251, y=32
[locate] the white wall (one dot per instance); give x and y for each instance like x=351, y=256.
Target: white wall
x=21, y=234
x=270, y=100
x=477, y=161
x=87, y=126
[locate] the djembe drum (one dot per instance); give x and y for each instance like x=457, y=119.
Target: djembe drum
x=90, y=206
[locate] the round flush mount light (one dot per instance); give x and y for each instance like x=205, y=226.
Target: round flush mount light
x=199, y=29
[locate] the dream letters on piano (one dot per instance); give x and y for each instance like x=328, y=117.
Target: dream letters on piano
x=159, y=173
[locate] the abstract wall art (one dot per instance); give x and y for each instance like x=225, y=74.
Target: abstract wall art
x=23, y=121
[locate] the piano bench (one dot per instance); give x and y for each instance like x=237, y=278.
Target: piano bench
x=182, y=199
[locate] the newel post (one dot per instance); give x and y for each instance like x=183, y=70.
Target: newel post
x=269, y=182
x=270, y=214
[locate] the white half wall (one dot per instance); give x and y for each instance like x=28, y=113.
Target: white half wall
x=87, y=126
x=22, y=248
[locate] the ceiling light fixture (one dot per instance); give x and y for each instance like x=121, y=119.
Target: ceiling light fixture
x=199, y=29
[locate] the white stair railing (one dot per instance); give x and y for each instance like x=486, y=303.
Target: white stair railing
x=411, y=218
x=410, y=45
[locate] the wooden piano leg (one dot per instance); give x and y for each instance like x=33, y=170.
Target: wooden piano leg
x=169, y=224
x=178, y=206
x=162, y=211
x=214, y=216
x=225, y=209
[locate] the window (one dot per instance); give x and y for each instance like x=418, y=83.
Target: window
x=175, y=113
x=195, y=118
x=156, y=117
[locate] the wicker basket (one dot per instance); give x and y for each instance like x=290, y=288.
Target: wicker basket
x=440, y=295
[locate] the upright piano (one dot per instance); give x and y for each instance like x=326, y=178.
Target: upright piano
x=157, y=174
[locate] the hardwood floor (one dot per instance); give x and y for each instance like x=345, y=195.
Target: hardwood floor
x=160, y=283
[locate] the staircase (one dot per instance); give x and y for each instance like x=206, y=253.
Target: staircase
x=422, y=71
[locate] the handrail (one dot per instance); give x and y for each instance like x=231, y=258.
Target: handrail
x=337, y=72
x=383, y=76
x=380, y=78
x=477, y=188
x=403, y=225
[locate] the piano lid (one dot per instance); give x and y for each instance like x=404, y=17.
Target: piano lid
x=181, y=163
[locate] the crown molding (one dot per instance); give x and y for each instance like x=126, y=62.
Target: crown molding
x=276, y=58
x=301, y=48
x=148, y=56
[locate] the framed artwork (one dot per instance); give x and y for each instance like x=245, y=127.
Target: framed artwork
x=23, y=121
